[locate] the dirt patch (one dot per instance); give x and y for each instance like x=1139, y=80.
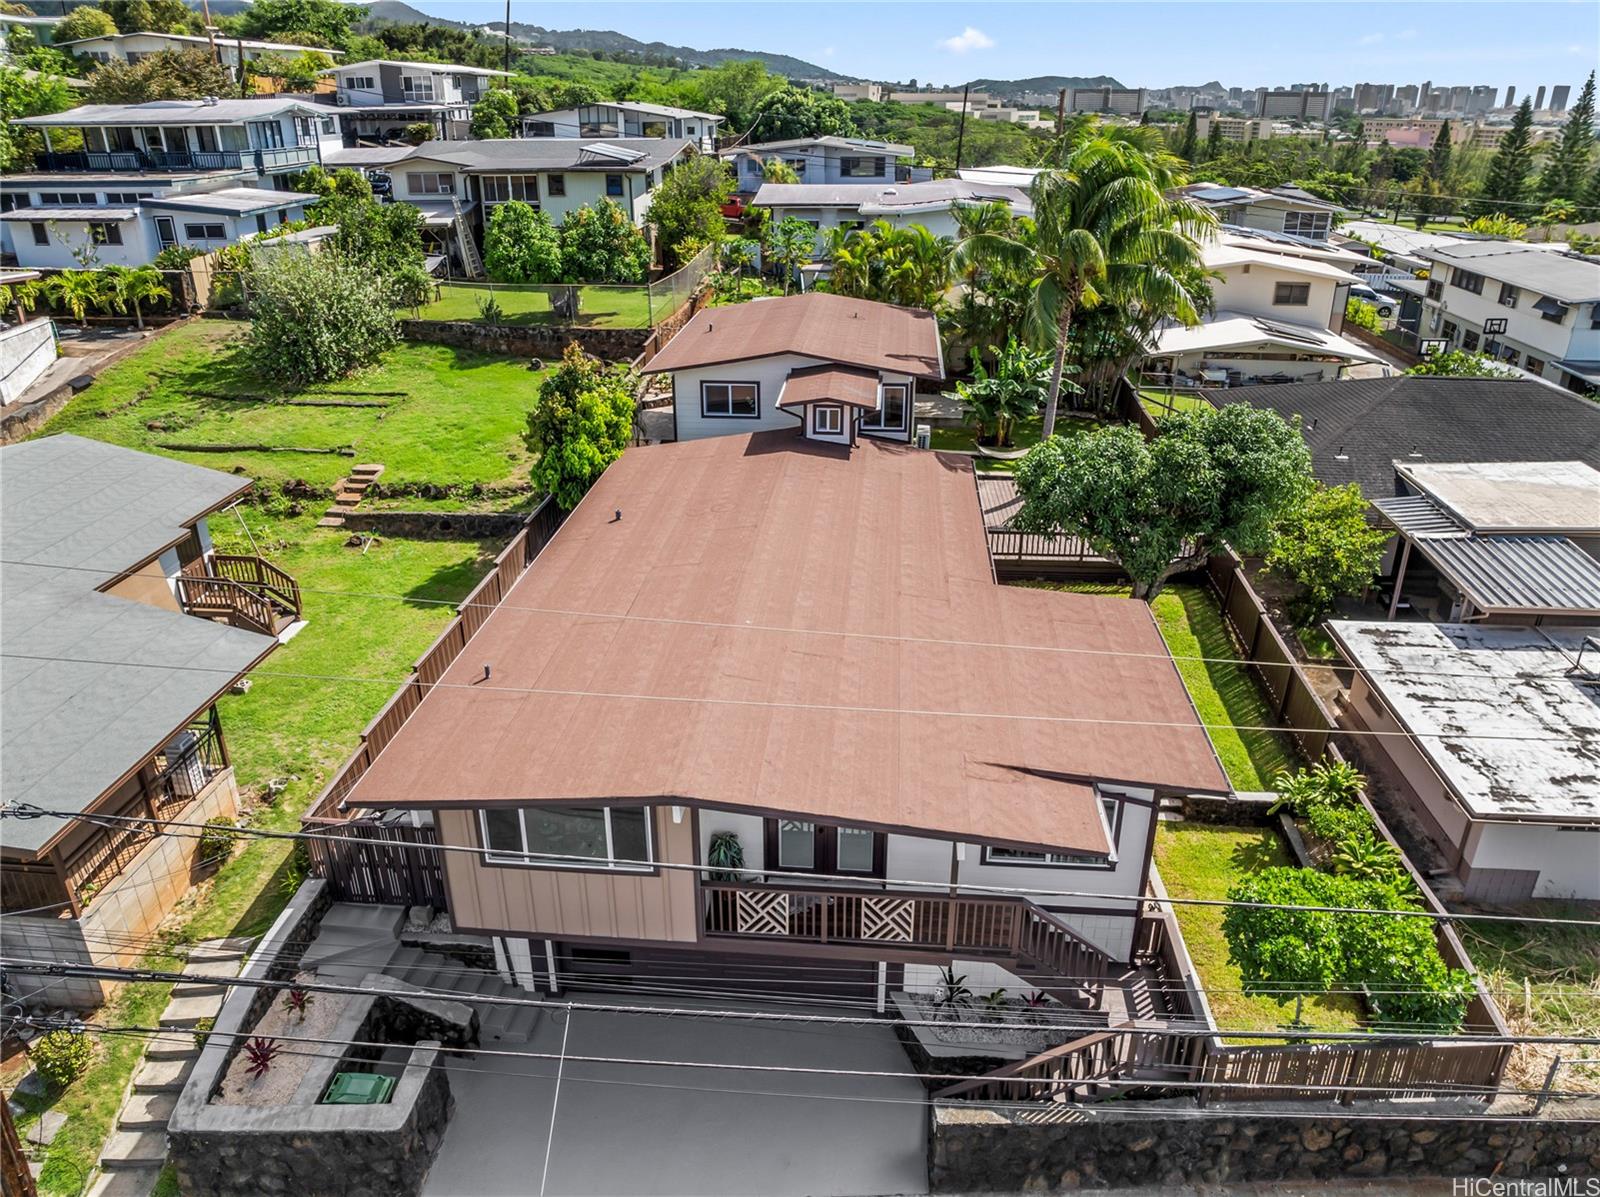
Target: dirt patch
x=277, y=1086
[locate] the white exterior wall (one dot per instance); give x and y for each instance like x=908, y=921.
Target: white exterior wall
x=1568, y=860
x=1249, y=288
x=814, y=164
x=941, y=222
x=138, y=245
x=769, y=373
x=1268, y=215
x=26, y=352
x=583, y=188
x=1526, y=330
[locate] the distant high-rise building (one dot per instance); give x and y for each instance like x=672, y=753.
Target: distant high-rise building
x=1293, y=105
x=1344, y=99
x=1482, y=100
x=1558, y=97
x=1235, y=94
x=1373, y=97
x=1511, y=96
x=1460, y=97
x=1128, y=101
x=1405, y=98
x=1538, y=99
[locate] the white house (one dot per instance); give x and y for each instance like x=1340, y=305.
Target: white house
x=931, y=204
x=138, y=184
x=824, y=160
x=626, y=118
x=379, y=97
x=1531, y=307
x=1281, y=210
x=1492, y=728
x=841, y=368
x=230, y=51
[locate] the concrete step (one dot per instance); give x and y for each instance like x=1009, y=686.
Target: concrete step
x=123, y=1184
x=194, y=989
x=235, y=948
x=188, y=1010
x=330, y=521
x=176, y=1046
x=386, y=919
x=147, y=1111
x=372, y=470
x=127, y=1150
x=348, y=498
x=162, y=1076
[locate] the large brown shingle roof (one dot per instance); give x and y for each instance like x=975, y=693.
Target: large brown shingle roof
x=740, y=560
x=831, y=328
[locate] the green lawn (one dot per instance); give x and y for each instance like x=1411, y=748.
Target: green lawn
x=458, y=420
x=1160, y=403
x=1199, y=860
x=1027, y=434
x=1226, y=695
x=606, y=307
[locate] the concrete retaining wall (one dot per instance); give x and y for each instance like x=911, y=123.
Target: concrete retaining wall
x=438, y=525
x=981, y=1151
x=26, y=351
x=544, y=341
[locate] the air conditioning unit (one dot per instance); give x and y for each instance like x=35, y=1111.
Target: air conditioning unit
x=184, y=768
x=1508, y=302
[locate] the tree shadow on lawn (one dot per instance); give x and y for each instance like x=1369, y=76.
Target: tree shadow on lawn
x=1249, y=857
x=451, y=583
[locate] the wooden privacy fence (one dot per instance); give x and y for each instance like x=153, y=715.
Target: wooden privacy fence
x=380, y=864
x=1350, y=1072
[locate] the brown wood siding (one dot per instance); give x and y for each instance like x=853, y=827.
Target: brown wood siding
x=518, y=900
x=148, y=585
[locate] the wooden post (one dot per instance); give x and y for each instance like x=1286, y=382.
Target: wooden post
x=1400, y=574
x=1549, y=1084
x=60, y=867
x=13, y=1164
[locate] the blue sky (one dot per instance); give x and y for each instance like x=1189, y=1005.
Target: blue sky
x=1500, y=42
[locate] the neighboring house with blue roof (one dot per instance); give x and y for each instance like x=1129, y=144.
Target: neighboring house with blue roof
x=120, y=627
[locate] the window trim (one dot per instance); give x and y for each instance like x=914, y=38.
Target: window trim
x=1469, y=281
x=730, y=414
x=189, y=233
x=835, y=414
x=621, y=191
x=1321, y=224
x=104, y=232
x=555, y=185
x=825, y=852
x=415, y=179
x=41, y=232
x=1111, y=811
x=867, y=424
x=490, y=859
x=1282, y=289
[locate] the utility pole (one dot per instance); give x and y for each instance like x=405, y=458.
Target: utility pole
x=1061, y=112
x=508, y=37
x=211, y=30
x=961, y=130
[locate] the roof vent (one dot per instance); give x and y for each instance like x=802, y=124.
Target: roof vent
x=1341, y=455
x=211, y=101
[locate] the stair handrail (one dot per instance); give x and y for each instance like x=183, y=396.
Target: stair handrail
x=224, y=596
x=1015, y=1071
x=264, y=574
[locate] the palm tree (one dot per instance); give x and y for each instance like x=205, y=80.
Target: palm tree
x=1103, y=228
x=134, y=287
x=76, y=291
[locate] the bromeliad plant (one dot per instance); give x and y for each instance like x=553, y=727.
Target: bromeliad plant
x=297, y=1002
x=261, y=1053
x=952, y=993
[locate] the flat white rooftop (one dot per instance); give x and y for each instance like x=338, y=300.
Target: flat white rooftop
x=1512, y=496
x=1497, y=710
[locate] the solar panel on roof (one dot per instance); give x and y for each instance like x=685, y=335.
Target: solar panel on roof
x=613, y=152
x=1288, y=332
x=1219, y=193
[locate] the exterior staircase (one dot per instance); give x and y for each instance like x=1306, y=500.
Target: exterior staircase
x=470, y=261
x=437, y=971
x=347, y=497
x=135, y=1153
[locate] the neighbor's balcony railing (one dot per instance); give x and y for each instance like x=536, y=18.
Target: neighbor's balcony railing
x=278, y=159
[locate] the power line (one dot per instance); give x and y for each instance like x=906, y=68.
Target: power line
x=117, y=973
x=782, y=705
x=848, y=634
x=28, y=810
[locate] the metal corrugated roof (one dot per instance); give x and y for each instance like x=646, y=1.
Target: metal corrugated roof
x=1418, y=515
x=115, y=215
x=1529, y=574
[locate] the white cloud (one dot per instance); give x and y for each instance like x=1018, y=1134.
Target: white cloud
x=968, y=39
x=829, y=51
x=1370, y=39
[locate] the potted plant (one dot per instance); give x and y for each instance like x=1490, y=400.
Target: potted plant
x=725, y=855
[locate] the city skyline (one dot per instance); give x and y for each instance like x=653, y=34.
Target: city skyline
x=1362, y=43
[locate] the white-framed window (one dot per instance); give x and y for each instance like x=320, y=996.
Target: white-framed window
x=730, y=400
x=827, y=419
x=555, y=185
x=614, y=186
x=128, y=197
x=1111, y=812
x=1291, y=294
x=205, y=232
x=1315, y=225
x=66, y=197
x=429, y=183
x=893, y=411
x=105, y=233
x=1467, y=280
x=417, y=87
x=497, y=189
x=568, y=837
x=360, y=83
x=41, y=233
x=855, y=167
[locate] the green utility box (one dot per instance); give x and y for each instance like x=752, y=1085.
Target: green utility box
x=359, y=1089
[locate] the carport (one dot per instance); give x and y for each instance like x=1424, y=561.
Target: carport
x=565, y=1127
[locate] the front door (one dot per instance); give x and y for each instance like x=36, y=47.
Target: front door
x=166, y=231
x=800, y=846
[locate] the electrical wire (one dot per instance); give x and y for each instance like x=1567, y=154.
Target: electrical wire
x=28, y=810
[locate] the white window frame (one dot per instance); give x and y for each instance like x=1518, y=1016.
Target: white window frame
x=417, y=182
x=1303, y=290
x=1314, y=226
x=418, y=89
x=873, y=421
x=360, y=83
x=727, y=386
x=835, y=418
x=528, y=859
x=1110, y=820
x=204, y=233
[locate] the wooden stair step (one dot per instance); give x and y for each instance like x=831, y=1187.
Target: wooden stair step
x=331, y=521
x=348, y=498
x=373, y=469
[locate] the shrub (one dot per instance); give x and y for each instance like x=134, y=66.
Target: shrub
x=317, y=317
x=1363, y=315
x=601, y=245
x=216, y=839
x=61, y=1057
x=176, y=257
x=581, y=425
x=202, y=1031
x=1326, y=545
x=410, y=287
x=1458, y=363
x=521, y=245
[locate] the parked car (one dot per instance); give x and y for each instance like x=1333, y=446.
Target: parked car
x=382, y=185
x=1384, y=304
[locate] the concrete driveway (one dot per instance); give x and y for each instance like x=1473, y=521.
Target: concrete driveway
x=634, y=1129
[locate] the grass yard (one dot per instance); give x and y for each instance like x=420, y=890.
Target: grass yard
x=1226, y=695
x=459, y=421
x=1027, y=434
x=1199, y=860
x=606, y=307
x=1157, y=402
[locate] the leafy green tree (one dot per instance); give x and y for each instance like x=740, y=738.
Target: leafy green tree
x=733, y=88
x=381, y=237
x=149, y=16
x=315, y=317
x=1014, y=391
x=906, y=266
x=1555, y=212
x=1506, y=185
x=581, y=424
x=25, y=95
x=1591, y=195
x=1440, y=155
x=318, y=22
x=1104, y=227
x=1284, y=953
x=134, y=287
x=1362, y=315
x=1568, y=164
x=686, y=209
x=1497, y=224
x=87, y=21
x=1188, y=143
x=1458, y=363
x=1214, y=141
x=495, y=115
x=799, y=112
x=600, y=244
x=164, y=75
x=1327, y=546
x=349, y=183
x=1160, y=506
x=776, y=170
x=790, y=243
x=296, y=72
x=521, y=245
x=418, y=132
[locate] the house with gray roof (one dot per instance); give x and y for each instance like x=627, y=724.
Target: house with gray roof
x=121, y=626
x=380, y=98
x=931, y=204
x=825, y=159
x=626, y=118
